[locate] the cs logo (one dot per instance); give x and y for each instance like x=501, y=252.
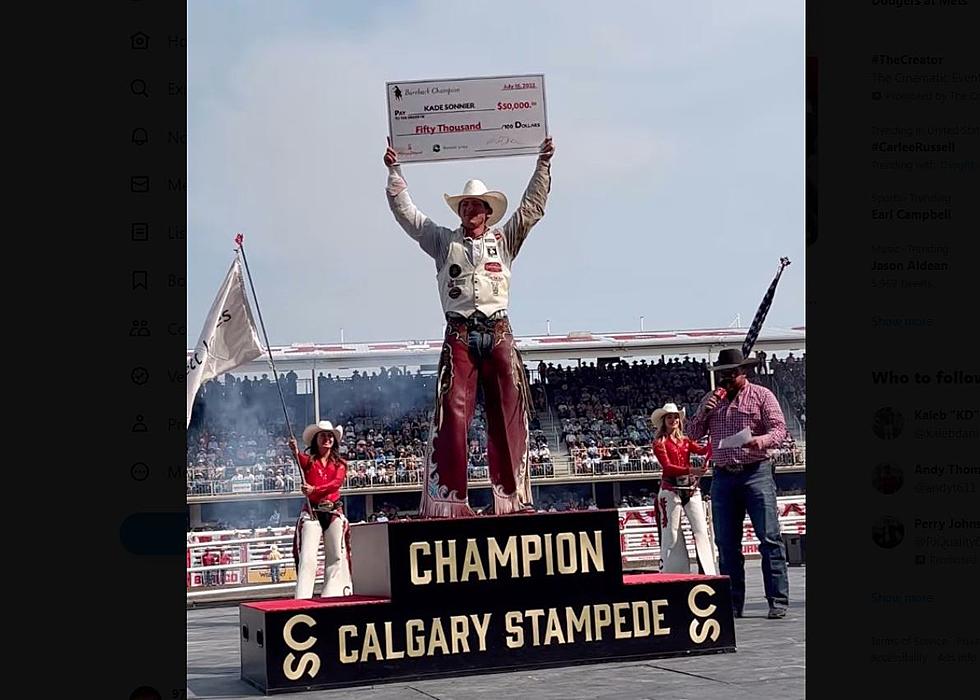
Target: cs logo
x=711, y=627
x=309, y=662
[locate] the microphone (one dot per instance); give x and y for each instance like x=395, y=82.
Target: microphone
x=718, y=393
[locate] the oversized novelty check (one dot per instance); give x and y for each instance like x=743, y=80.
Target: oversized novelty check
x=467, y=118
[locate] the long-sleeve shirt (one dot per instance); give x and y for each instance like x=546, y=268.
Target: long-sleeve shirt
x=325, y=478
x=675, y=457
x=755, y=408
x=434, y=239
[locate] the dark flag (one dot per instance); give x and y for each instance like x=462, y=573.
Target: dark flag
x=760, y=315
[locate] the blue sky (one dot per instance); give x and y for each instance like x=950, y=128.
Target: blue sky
x=677, y=181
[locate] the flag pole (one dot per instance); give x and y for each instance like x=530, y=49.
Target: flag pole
x=240, y=242
x=760, y=314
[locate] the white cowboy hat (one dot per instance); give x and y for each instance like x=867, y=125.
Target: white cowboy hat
x=475, y=189
x=312, y=430
x=658, y=416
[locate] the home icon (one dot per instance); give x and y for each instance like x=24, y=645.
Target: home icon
x=139, y=41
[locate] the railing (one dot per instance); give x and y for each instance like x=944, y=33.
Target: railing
x=248, y=567
x=228, y=487
x=398, y=474
x=249, y=574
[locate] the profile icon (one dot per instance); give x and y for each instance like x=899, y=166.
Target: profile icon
x=887, y=478
x=140, y=425
x=888, y=532
x=888, y=423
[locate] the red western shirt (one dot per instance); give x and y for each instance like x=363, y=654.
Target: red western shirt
x=326, y=478
x=675, y=457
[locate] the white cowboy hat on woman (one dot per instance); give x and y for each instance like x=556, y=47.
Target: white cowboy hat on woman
x=475, y=189
x=658, y=416
x=312, y=430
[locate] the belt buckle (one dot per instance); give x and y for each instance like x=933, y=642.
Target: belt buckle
x=735, y=468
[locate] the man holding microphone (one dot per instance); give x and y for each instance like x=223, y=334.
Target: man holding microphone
x=743, y=478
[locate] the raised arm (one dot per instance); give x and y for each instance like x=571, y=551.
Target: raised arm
x=697, y=426
x=531, y=208
x=302, y=459
x=416, y=224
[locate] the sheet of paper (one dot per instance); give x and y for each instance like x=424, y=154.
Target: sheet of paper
x=736, y=440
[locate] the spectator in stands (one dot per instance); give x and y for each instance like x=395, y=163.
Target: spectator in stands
x=743, y=476
x=322, y=516
x=473, y=263
x=679, y=491
x=274, y=555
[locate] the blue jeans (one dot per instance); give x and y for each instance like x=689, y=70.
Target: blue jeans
x=754, y=491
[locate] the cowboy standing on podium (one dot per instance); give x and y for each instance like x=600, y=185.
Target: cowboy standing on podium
x=473, y=264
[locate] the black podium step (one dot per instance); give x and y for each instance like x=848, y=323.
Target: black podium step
x=471, y=595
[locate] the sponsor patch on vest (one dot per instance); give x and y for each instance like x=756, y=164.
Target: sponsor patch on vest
x=454, y=270
x=492, y=267
x=492, y=251
x=455, y=292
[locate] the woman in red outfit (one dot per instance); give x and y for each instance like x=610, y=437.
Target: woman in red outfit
x=324, y=472
x=679, y=491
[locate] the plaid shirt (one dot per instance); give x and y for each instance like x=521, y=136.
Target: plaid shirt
x=755, y=408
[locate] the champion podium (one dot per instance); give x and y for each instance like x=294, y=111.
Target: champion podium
x=437, y=598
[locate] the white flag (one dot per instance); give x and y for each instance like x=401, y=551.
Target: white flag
x=228, y=339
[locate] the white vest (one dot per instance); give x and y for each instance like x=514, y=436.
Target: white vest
x=482, y=285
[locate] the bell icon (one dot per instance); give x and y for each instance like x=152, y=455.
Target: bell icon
x=140, y=136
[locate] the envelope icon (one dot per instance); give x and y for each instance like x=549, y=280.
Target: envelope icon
x=139, y=183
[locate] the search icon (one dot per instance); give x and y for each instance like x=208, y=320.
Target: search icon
x=138, y=88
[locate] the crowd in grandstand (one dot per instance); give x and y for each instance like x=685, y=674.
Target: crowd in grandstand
x=789, y=375
x=610, y=404
x=600, y=413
